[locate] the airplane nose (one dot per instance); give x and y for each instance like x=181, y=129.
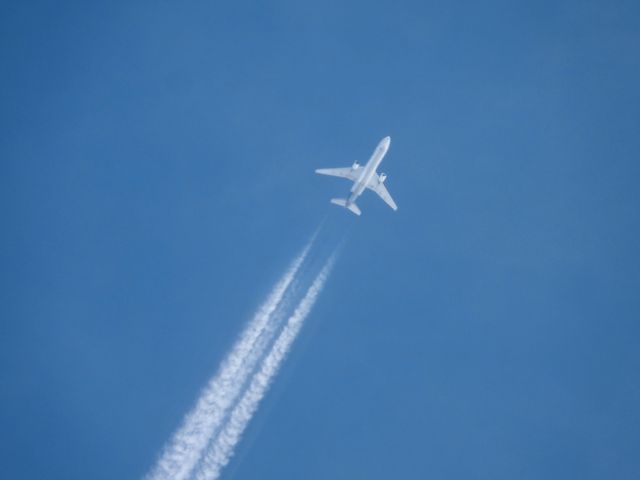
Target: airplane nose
x=386, y=141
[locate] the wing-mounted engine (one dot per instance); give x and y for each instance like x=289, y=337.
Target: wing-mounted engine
x=382, y=177
x=355, y=166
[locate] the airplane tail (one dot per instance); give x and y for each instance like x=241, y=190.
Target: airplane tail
x=343, y=203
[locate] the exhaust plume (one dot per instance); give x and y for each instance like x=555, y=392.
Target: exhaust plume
x=223, y=445
x=181, y=454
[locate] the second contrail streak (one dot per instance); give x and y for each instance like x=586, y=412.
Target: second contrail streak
x=223, y=446
x=188, y=443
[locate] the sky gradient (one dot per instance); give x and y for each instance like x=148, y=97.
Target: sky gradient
x=156, y=178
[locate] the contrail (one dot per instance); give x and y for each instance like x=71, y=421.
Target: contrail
x=183, y=451
x=222, y=447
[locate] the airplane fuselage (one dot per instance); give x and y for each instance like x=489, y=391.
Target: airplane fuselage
x=369, y=170
x=363, y=178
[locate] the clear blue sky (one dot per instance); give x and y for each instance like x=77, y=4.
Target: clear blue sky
x=157, y=176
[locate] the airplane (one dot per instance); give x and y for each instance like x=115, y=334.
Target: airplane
x=363, y=177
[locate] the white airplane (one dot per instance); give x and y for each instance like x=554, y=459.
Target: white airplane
x=363, y=177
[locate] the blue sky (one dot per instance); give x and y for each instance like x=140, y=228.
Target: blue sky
x=157, y=177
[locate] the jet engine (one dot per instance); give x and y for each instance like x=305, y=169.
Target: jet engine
x=382, y=177
x=355, y=166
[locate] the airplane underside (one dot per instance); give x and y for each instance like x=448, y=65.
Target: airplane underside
x=363, y=178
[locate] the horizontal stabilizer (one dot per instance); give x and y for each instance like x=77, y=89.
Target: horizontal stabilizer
x=343, y=203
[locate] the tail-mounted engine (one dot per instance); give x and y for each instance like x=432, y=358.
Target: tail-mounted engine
x=382, y=177
x=355, y=166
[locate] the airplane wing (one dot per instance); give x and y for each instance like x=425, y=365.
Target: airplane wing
x=378, y=186
x=346, y=172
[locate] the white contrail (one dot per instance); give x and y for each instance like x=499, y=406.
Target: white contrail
x=183, y=451
x=222, y=447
